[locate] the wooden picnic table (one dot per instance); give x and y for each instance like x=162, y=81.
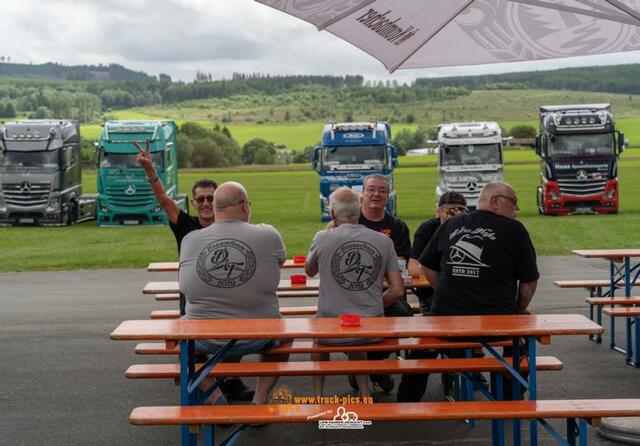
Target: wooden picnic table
x=532, y=328
x=626, y=274
x=284, y=285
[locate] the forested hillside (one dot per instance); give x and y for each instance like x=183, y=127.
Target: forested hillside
x=609, y=79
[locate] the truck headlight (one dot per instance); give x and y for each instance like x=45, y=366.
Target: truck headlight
x=3, y=205
x=54, y=204
x=554, y=195
x=609, y=194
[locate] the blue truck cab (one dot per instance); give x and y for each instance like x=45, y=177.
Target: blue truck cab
x=348, y=152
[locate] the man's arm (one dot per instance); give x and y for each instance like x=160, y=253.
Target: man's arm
x=167, y=204
x=310, y=270
x=526, y=290
x=395, y=290
x=414, y=268
x=432, y=276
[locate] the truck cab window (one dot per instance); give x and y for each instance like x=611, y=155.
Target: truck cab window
x=470, y=154
x=581, y=145
x=47, y=160
x=128, y=160
x=365, y=156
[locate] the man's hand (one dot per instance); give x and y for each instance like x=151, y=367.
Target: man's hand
x=144, y=157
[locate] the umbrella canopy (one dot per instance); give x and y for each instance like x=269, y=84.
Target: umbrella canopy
x=436, y=33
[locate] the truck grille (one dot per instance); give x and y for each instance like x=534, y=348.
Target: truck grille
x=121, y=195
x=570, y=185
x=26, y=193
x=470, y=189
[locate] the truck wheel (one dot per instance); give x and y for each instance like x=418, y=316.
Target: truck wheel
x=72, y=213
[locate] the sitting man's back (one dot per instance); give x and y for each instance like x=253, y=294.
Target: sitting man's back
x=353, y=261
x=231, y=270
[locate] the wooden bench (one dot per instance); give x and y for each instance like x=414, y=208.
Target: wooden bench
x=304, y=368
x=622, y=311
x=300, y=347
x=285, y=311
x=594, y=286
x=577, y=412
x=596, y=304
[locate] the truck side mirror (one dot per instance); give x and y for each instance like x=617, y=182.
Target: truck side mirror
x=621, y=142
x=315, y=155
x=394, y=156
x=538, y=146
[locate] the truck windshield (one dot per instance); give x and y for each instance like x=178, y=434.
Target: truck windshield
x=125, y=160
x=45, y=160
x=471, y=154
x=581, y=145
x=372, y=157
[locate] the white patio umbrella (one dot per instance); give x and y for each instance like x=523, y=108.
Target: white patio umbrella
x=435, y=33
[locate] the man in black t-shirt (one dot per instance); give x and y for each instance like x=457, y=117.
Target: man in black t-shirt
x=181, y=224
x=450, y=205
x=483, y=262
x=412, y=387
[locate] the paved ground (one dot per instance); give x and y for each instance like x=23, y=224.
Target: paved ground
x=62, y=377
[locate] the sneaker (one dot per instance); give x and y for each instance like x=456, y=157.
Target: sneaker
x=353, y=383
x=481, y=380
x=385, y=382
x=235, y=389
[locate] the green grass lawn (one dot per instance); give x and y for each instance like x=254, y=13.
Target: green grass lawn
x=289, y=201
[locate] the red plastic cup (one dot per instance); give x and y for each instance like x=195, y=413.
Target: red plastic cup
x=298, y=279
x=299, y=259
x=350, y=320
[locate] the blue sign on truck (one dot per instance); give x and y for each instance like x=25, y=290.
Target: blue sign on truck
x=350, y=151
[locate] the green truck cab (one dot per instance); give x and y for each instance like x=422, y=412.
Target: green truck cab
x=124, y=194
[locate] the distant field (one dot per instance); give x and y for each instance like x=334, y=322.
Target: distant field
x=289, y=201
x=297, y=136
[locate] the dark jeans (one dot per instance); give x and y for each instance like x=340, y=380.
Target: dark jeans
x=413, y=387
x=399, y=308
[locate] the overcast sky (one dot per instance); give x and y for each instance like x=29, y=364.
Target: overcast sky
x=180, y=37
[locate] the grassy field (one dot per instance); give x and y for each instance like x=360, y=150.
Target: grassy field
x=288, y=200
x=263, y=117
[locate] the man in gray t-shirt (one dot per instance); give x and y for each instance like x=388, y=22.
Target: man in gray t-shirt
x=352, y=261
x=231, y=270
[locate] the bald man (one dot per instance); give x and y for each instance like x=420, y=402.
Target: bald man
x=483, y=262
x=231, y=270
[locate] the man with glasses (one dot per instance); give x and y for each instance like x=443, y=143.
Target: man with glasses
x=483, y=263
x=375, y=195
x=231, y=270
x=181, y=223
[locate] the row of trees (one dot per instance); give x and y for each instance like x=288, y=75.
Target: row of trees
x=407, y=139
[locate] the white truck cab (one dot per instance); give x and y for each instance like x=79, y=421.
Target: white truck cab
x=469, y=156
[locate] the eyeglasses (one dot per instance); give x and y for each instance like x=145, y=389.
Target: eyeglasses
x=201, y=199
x=514, y=200
x=456, y=210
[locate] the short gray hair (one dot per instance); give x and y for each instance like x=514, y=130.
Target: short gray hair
x=345, y=204
x=376, y=176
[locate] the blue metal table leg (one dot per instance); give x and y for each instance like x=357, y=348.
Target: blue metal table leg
x=187, y=361
x=533, y=383
x=583, y=432
x=515, y=389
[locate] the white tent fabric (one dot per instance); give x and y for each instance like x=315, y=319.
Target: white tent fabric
x=437, y=33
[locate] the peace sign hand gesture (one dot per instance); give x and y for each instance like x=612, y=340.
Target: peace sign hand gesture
x=144, y=157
